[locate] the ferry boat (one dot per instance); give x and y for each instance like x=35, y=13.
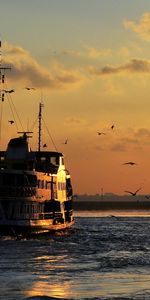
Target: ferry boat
x=35, y=187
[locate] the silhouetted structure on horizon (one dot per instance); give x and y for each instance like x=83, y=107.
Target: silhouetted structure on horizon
x=111, y=201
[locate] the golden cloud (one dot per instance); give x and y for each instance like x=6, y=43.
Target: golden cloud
x=89, y=52
x=25, y=68
x=133, y=66
x=119, y=147
x=93, y=52
x=132, y=139
x=143, y=133
x=142, y=28
x=76, y=121
x=71, y=53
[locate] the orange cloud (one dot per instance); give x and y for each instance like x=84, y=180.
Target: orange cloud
x=76, y=121
x=135, y=139
x=119, y=147
x=142, y=28
x=25, y=68
x=143, y=133
x=123, y=140
x=71, y=53
x=89, y=52
x=133, y=66
x=94, y=53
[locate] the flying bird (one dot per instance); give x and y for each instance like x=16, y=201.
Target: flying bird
x=100, y=133
x=66, y=142
x=112, y=126
x=9, y=91
x=29, y=88
x=133, y=193
x=11, y=122
x=132, y=163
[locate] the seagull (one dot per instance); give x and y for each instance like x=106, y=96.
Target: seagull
x=9, y=91
x=100, y=133
x=130, y=163
x=29, y=88
x=11, y=122
x=112, y=126
x=66, y=142
x=133, y=193
x=44, y=146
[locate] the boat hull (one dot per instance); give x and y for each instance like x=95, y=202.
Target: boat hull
x=23, y=230
x=35, y=190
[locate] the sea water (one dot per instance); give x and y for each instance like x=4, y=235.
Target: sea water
x=106, y=255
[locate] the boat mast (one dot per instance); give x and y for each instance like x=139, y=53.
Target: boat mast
x=2, y=81
x=2, y=74
x=40, y=123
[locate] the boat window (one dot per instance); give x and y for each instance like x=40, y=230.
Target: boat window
x=40, y=184
x=31, y=180
x=48, y=185
x=43, y=158
x=36, y=208
x=33, y=208
x=54, y=160
x=69, y=187
x=40, y=208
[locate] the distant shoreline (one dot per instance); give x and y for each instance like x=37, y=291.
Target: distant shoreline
x=111, y=205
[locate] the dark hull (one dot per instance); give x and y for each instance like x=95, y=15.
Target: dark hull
x=26, y=231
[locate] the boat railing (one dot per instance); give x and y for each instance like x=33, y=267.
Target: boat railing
x=43, y=216
x=33, y=216
x=19, y=191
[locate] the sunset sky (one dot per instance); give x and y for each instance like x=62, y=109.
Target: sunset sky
x=89, y=63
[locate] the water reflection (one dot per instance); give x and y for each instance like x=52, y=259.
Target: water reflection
x=32, y=268
x=47, y=259
x=46, y=288
x=101, y=285
x=104, y=258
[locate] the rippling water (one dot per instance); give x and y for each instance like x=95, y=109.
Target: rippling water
x=101, y=257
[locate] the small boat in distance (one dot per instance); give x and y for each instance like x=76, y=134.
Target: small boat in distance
x=35, y=187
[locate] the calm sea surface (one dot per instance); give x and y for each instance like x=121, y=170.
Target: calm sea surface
x=104, y=256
